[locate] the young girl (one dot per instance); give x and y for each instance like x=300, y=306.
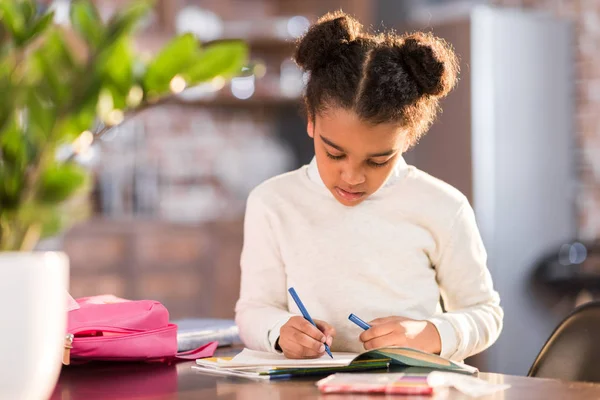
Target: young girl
x=358, y=230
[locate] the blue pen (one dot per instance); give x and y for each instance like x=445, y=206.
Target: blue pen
x=359, y=322
x=281, y=377
x=305, y=314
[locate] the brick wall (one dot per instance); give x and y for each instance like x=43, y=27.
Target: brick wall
x=585, y=16
x=192, y=269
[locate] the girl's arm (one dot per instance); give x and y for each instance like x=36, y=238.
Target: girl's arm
x=262, y=308
x=473, y=318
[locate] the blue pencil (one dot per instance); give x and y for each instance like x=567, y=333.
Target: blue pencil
x=359, y=322
x=305, y=314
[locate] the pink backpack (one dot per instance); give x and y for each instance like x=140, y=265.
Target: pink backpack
x=109, y=328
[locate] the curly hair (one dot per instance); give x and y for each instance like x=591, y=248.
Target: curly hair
x=384, y=78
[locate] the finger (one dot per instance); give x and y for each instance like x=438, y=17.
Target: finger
x=307, y=341
x=291, y=334
x=385, y=341
x=299, y=345
x=327, y=329
x=377, y=331
x=309, y=329
x=296, y=344
x=329, y=341
x=299, y=352
x=296, y=351
x=292, y=349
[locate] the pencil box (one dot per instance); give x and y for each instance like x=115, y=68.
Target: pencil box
x=387, y=383
x=108, y=328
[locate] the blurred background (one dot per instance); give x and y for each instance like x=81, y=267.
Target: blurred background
x=520, y=136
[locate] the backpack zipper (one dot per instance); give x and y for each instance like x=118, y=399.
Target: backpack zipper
x=68, y=346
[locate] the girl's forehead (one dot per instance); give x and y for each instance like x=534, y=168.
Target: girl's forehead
x=347, y=130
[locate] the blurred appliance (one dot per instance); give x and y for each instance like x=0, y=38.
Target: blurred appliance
x=572, y=268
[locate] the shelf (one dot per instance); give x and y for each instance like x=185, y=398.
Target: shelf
x=153, y=42
x=266, y=94
x=262, y=42
x=225, y=100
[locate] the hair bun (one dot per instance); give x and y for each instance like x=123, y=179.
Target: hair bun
x=430, y=62
x=325, y=39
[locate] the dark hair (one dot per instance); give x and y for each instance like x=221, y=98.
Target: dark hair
x=383, y=78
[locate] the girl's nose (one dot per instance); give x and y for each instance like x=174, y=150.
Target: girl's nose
x=353, y=176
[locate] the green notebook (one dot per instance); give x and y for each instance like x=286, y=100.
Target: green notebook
x=407, y=357
x=263, y=365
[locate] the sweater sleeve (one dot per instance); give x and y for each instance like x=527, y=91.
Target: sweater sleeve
x=262, y=307
x=473, y=318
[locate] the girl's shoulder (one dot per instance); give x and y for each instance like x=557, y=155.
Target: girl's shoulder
x=428, y=202
x=427, y=189
x=283, y=185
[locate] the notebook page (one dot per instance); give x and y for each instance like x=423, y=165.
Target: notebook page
x=253, y=358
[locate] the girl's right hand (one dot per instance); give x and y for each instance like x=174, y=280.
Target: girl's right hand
x=298, y=338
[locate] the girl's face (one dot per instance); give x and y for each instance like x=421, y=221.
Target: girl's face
x=354, y=158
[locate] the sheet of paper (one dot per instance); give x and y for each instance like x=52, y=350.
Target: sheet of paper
x=252, y=358
x=249, y=375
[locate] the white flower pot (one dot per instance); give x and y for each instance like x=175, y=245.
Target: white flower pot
x=33, y=315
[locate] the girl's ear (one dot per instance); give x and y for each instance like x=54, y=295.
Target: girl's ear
x=406, y=144
x=310, y=128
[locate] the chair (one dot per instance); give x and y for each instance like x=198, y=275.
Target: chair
x=572, y=352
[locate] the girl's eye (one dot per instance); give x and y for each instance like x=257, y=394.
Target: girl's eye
x=377, y=165
x=334, y=157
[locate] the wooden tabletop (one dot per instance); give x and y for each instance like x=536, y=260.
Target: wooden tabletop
x=180, y=381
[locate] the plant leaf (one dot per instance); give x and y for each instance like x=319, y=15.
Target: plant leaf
x=11, y=186
x=51, y=222
x=40, y=26
x=27, y=8
x=60, y=182
x=125, y=21
x=12, y=19
x=84, y=112
x=119, y=98
x=224, y=59
x=12, y=166
x=175, y=58
x=87, y=22
x=7, y=98
x=57, y=66
x=13, y=148
x=115, y=64
x=69, y=128
x=41, y=116
x=4, y=36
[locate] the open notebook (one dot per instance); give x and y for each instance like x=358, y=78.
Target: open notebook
x=263, y=365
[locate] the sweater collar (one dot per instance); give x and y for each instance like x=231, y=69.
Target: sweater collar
x=398, y=172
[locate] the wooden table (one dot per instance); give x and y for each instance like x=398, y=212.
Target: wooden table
x=180, y=381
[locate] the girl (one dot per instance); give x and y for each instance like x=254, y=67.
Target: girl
x=358, y=230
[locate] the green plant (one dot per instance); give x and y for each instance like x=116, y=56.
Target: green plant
x=62, y=86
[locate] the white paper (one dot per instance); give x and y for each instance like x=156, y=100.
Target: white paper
x=252, y=358
x=227, y=372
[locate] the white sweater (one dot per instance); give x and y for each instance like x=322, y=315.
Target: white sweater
x=392, y=255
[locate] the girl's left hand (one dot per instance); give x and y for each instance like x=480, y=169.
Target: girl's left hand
x=404, y=332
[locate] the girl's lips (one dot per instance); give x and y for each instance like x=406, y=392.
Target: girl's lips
x=349, y=196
